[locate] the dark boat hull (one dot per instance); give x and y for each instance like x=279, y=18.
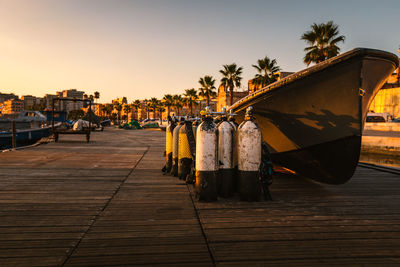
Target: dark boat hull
x=24, y=137
x=312, y=121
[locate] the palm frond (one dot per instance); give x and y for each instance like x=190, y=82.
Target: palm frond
x=322, y=39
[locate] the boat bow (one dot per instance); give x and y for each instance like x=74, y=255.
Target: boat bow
x=312, y=120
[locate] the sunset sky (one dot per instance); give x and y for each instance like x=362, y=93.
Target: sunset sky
x=143, y=49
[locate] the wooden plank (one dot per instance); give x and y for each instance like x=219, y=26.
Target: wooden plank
x=141, y=241
x=84, y=204
x=7, y=245
x=142, y=249
x=33, y=252
x=308, y=223
x=64, y=194
x=306, y=249
x=32, y=261
x=188, y=258
x=341, y=261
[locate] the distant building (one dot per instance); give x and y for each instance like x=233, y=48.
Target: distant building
x=30, y=100
x=48, y=101
x=5, y=97
x=121, y=100
x=224, y=97
x=65, y=105
x=72, y=105
x=72, y=93
x=253, y=87
x=96, y=108
x=12, y=106
x=202, y=104
x=388, y=97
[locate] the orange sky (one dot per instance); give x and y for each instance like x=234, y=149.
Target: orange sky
x=140, y=49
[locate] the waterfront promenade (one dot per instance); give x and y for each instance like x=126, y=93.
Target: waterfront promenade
x=107, y=203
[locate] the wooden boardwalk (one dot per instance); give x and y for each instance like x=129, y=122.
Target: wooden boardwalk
x=107, y=204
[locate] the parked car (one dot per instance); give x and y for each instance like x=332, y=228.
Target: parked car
x=379, y=117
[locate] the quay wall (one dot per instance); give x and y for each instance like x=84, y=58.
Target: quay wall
x=382, y=126
x=381, y=145
x=387, y=100
x=381, y=138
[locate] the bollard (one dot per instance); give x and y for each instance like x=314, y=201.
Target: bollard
x=206, y=160
x=249, y=158
x=169, y=144
x=225, y=182
x=14, y=135
x=175, y=144
x=185, y=150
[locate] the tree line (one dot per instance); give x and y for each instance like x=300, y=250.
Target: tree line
x=322, y=41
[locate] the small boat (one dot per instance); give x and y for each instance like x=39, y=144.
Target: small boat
x=312, y=120
x=30, y=127
x=24, y=137
x=23, y=120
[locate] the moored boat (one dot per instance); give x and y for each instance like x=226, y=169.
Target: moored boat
x=24, y=137
x=30, y=127
x=312, y=120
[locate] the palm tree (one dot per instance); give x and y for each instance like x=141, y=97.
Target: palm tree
x=322, y=40
x=127, y=109
x=160, y=108
x=147, y=108
x=168, y=102
x=103, y=109
x=96, y=95
x=118, y=107
x=153, y=104
x=136, y=105
x=110, y=108
x=231, y=78
x=178, y=103
x=266, y=69
x=190, y=97
x=207, y=88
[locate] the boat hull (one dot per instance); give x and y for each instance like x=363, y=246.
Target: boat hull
x=24, y=137
x=312, y=121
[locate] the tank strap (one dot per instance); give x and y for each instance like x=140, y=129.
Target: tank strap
x=190, y=137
